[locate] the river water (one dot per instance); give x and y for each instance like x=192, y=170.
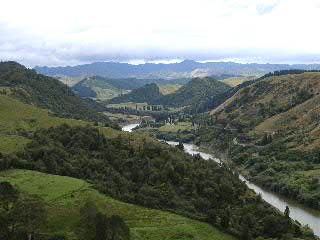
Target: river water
x=298, y=212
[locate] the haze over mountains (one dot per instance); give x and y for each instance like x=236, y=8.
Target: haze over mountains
x=185, y=69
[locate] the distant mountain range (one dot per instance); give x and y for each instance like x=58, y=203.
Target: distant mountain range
x=185, y=69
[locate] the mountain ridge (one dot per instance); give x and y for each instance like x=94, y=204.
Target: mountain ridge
x=184, y=69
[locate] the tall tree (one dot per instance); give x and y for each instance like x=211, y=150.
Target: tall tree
x=31, y=215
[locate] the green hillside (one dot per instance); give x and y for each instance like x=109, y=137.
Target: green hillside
x=18, y=120
x=64, y=196
x=46, y=92
x=195, y=93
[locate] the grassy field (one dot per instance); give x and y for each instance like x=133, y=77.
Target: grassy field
x=118, y=117
x=169, y=88
x=9, y=144
x=16, y=117
x=235, y=81
x=65, y=195
x=180, y=126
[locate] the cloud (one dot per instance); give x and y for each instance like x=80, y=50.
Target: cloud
x=266, y=8
x=44, y=32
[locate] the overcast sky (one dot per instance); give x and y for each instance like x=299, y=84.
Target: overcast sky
x=69, y=32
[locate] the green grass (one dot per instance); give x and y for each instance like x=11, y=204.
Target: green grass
x=16, y=116
x=10, y=144
x=65, y=195
x=176, y=127
x=235, y=81
x=169, y=88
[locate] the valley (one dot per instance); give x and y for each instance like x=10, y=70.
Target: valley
x=304, y=215
x=85, y=144
x=160, y=120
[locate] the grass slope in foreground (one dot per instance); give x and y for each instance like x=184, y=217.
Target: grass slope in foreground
x=64, y=197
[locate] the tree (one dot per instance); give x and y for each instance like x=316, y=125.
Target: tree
x=8, y=198
x=287, y=212
x=180, y=146
x=31, y=215
x=95, y=225
x=8, y=195
x=88, y=215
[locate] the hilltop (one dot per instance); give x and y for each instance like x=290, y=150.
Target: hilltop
x=47, y=93
x=274, y=103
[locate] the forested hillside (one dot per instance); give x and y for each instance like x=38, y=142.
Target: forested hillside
x=46, y=92
x=155, y=175
x=147, y=93
x=195, y=93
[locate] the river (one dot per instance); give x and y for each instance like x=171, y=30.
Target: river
x=298, y=212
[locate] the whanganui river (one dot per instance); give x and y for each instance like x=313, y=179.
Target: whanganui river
x=304, y=215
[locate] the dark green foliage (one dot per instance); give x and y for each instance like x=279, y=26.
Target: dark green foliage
x=94, y=225
x=150, y=174
x=180, y=146
x=22, y=216
x=84, y=91
x=46, y=92
x=147, y=93
x=287, y=212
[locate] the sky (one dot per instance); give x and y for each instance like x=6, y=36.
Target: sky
x=71, y=32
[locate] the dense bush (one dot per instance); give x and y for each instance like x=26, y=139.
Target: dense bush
x=156, y=175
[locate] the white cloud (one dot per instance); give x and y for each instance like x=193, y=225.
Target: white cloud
x=41, y=32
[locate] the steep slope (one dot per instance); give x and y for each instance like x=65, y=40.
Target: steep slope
x=18, y=121
x=268, y=97
x=194, y=93
x=65, y=196
x=46, y=92
x=271, y=130
x=147, y=93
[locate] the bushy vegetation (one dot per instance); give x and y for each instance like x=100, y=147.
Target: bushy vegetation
x=22, y=216
x=64, y=197
x=26, y=216
x=292, y=173
x=154, y=175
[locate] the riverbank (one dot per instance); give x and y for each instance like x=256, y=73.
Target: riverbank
x=298, y=212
